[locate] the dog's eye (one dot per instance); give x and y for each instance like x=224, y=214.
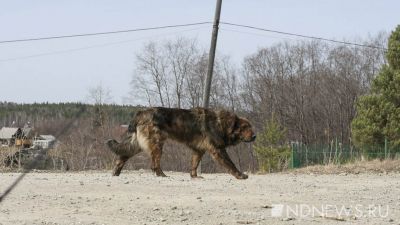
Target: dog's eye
x=245, y=127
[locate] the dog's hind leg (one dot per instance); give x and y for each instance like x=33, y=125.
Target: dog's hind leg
x=119, y=165
x=196, y=158
x=151, y=140
x=156, y=153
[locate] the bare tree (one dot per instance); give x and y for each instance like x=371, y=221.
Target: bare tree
x=195, y=82
x=182, y=55
x=225, y=86
x=166, y=71
x=99, y=95
x=152, y=70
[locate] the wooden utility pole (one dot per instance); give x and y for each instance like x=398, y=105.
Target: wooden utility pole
x=211, y=57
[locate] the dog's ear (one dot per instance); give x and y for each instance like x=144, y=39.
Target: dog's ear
x=232, y=135
x=228, y=125
x=233, y=124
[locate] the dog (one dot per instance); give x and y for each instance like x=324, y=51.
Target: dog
x=202, y=130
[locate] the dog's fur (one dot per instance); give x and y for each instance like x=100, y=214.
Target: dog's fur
x=200, y=129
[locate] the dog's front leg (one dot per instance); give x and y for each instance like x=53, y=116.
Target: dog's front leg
x=222, y=157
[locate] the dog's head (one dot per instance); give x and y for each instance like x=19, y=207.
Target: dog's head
x=238, y=128
x=243, y=130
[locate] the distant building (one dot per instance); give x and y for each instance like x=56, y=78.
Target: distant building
x=44, y=141
x=6, y=135
x=20, y=137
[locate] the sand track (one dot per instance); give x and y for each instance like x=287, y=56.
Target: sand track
x=138, y=197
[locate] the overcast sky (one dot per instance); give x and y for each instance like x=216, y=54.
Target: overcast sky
x=55, y=71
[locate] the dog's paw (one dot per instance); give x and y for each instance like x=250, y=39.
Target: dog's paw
x=242, y=176
x=160, y=173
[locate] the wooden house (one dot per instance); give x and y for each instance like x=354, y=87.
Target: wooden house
x=6, y=135
x=14, y=136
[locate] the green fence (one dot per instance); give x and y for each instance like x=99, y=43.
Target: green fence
x=336, y=153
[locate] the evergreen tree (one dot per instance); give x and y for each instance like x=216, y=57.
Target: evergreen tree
x=378, y=113
x=272, y=152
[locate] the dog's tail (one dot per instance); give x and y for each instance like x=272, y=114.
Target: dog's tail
x=128, y=147
x=114, y=146
x=120, y=149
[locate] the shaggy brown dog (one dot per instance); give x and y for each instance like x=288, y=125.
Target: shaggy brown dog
x=200, y=129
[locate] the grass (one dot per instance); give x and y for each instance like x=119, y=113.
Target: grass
x=372, y=166
x=4, y=153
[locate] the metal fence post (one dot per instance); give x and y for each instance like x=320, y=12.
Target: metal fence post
x=386, y=148
x=336, y=150
x=292, y=156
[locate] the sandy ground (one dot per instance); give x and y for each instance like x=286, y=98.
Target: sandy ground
x=138, y=197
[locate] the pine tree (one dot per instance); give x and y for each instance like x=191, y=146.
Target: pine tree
x=378, y=113
x=272, y=152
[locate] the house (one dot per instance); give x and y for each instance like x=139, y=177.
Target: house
x=23, y=137
x=20, y=137
x=6, y=135
x=44, y=141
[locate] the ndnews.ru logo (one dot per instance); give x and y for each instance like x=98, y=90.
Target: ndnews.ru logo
x=305, y=210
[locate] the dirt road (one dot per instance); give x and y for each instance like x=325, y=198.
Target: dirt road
x=139, y=197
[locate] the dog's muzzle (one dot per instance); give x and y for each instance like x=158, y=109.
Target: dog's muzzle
x=253, y=137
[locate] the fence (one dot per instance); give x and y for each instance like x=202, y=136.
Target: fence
x=335, y=153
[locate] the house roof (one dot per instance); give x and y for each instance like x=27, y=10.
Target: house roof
x=7, y=132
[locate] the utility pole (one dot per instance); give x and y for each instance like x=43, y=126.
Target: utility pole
x=211, y=57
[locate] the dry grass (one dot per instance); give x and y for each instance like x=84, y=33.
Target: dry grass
x=4, y=153
x=373, y=166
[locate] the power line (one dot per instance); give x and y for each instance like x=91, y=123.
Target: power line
x=304, y=36
x=257, y=34
x=193, y=24
x=93, y=46
x=103, y=33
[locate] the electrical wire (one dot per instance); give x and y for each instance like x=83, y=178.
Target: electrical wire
x=103, y=33
x=303, y=36
x=257, y=34
x=95, y=46
x=194, y=24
